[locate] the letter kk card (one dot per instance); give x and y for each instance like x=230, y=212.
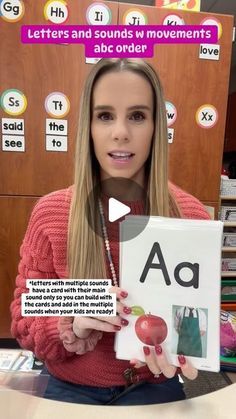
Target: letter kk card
x=172, y=272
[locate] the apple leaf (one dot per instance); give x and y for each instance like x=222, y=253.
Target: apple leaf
x=137, y=311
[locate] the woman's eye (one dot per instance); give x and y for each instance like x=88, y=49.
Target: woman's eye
x=104, y=116
x=138, y=116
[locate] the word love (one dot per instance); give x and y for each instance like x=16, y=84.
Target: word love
x=209, y=50
x=156, y=251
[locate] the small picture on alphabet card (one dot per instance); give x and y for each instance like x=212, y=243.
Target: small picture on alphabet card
x=172, y=273
x=189, y=330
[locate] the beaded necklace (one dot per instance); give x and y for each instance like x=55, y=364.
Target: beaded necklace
x=130, y=374
x=107, y=243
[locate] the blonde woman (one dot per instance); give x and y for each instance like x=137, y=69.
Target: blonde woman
x=122, y=133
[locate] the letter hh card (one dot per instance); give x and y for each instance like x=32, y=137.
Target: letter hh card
x=172, y=272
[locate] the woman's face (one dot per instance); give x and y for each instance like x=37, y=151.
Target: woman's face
x=122, y=124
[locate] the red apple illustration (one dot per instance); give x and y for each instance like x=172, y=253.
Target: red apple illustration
x=150, y=329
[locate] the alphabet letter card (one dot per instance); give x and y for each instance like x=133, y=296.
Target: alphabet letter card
x=172, y=272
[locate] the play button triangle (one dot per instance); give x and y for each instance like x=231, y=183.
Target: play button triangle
x=117, y=209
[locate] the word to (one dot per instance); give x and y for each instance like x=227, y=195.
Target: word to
x=68, y=298
x=119, y=40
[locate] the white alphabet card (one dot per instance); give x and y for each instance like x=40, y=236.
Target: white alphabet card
x=172, y=272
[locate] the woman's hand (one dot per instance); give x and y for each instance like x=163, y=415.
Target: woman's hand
x=84, y=326
x=157, y=362
x=71, y=342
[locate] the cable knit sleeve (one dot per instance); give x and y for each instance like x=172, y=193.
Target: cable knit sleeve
x=38, y=334
x=190, y=206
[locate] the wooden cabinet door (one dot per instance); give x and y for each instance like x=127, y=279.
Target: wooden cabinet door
x=195, y=156
x=38, y=70
x=15, y=213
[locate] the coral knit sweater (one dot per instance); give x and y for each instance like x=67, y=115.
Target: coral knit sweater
x=43, y=255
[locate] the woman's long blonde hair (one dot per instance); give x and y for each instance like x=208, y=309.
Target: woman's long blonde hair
x=85, y=249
